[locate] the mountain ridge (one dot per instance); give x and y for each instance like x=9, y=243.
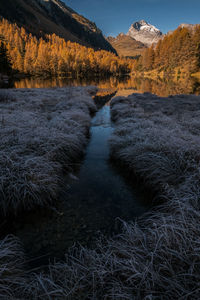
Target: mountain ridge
x=41, y=17
x=144, y=32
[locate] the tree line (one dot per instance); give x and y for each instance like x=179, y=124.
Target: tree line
x=178, y=49
x=53, y=56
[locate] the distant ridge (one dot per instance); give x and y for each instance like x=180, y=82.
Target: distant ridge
x=188, y=26
x=126, y=45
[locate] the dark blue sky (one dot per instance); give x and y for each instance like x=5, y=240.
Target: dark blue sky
x=115, y=16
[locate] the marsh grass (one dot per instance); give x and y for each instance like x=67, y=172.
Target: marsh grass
x=42, y=134
x=158, y=140
x=158, y=255
x=11, y=266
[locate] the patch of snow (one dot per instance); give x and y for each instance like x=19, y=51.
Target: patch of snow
x=149, y=28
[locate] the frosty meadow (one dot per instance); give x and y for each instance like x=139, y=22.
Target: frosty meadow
x=157, y=141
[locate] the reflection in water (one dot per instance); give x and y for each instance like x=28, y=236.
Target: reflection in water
x=125, y=85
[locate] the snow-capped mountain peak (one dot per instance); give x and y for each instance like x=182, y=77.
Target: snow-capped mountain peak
x=143, y=25
x=144, y=32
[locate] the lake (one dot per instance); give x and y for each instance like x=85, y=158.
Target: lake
x=125, y=85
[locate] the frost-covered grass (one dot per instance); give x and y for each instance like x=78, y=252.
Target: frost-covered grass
x=11, y=267
x=158, y=139
x=154, y=258
x=157, y=256
x=43, y=132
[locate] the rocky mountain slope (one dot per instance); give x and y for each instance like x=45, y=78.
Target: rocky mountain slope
x=144, y=32
x=126, y=45
x=53, y=16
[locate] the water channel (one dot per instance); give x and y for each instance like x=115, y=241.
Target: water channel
x=91, y=204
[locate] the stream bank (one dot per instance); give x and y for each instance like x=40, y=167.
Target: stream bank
x=89, y=205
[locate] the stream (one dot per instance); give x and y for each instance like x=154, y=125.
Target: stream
x=97, y=196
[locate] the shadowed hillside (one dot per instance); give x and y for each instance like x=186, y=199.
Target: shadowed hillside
x=42, y=17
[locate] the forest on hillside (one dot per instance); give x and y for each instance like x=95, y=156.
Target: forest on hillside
x=21, y=52
x=180, y=49
x=53, y=56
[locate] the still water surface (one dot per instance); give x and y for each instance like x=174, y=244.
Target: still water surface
x=127, y=85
